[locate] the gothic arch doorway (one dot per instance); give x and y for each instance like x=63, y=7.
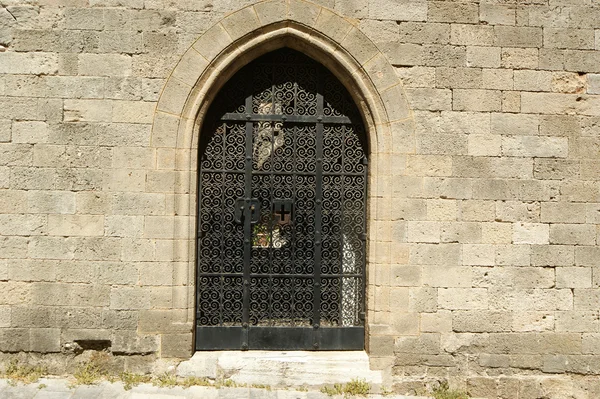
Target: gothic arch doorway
x=282, y=211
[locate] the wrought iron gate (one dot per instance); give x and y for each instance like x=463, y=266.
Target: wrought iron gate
x=281, y=211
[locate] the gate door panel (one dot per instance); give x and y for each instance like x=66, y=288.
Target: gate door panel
x=282, y=211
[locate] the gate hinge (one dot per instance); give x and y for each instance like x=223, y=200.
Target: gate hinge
x=361, y=316
x=363, y=236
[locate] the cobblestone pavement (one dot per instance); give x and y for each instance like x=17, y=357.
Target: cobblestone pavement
x=57, y=388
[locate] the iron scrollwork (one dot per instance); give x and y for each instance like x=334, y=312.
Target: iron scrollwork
x=282, y=210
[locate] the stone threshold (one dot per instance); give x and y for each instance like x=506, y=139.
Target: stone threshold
x=282, y=368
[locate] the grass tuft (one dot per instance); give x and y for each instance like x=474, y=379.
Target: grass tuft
x=444, y=392
x=131, y=380
x=165, y=380
x=353, y=388
x=26, y=374
x=95, y=369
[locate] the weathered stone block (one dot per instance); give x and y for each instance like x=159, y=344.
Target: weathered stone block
x=574, y=234
x=410, y=11
x=476, y=100
x=531, y=233
x=462, y=298
x=573, y=277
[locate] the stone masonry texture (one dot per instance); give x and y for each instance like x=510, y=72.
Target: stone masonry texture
x=484, y=220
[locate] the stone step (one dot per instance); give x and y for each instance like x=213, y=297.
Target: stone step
x=282, y=368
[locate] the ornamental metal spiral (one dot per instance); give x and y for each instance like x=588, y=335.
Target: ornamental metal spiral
x=282, y=203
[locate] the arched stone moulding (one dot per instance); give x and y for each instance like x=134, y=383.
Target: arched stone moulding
x=322, y=34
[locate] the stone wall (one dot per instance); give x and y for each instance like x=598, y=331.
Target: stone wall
x=485, y=200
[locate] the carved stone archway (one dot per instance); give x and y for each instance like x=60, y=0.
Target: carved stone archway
x=339, y=45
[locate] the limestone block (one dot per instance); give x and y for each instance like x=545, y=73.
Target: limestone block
x=582, y=61
x=50, y=248
x=88, y=110
x=476, y=100
x=574, y=234
x=127, y=298
x=517, y=36
x=442, y=144
x=422, y=299
x=124, y=226
x=132, y=343
x=5, y=316
x=497, y=14
x=531, y=233
x=458, y=78
x=438, y=322
x=59, y=156
x=519, y=58
x=32, y=270
x=84, y=18
x=568, y=82
x=472, y=35
x=76, y=225
x=569, y=38
x=385, y=10
x=555, y=169
x=447, y=276
x=29, y=132
x=45, y=340
x=5, y=130
x=479, y=321
x=593, y=83
x=573, y=277
x=138, y=204
x=119, y=319
x=511, y=101
x=152, y=20
x=442, y=209
x=495, y=189
x=533, y=321
x=553, y=255
x=477, y=211
x=135, y=249
x=28, y=63
x=587, y=256
x=516, y=211
x=415, y=32
x=435, y=187
x=416, y=76
x=440, y=55
x=535, y=146
x=97, y=248
x=59, y=294
x=492, y=167
x=514, y=255
x=529, y=80
x=478, y=254
x=429, y=165
x=13, y=247
x=105, y=65
x=483, y=145
x=429, y=99
x=462, y=298
x=461, y=232
x=498, y=79
x=133, y=111
x=121, y=180
x=496, y=233
x=423, y=232
x=402, y=54
x=576, y=321
x=483, y=56
x=563, y=212
x=457, y=13
x=14, y=201
x=590, y=342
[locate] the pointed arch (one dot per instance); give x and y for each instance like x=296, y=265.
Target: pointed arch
x=240, y=37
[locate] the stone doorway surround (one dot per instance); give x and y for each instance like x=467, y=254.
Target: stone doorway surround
x=338, y=44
